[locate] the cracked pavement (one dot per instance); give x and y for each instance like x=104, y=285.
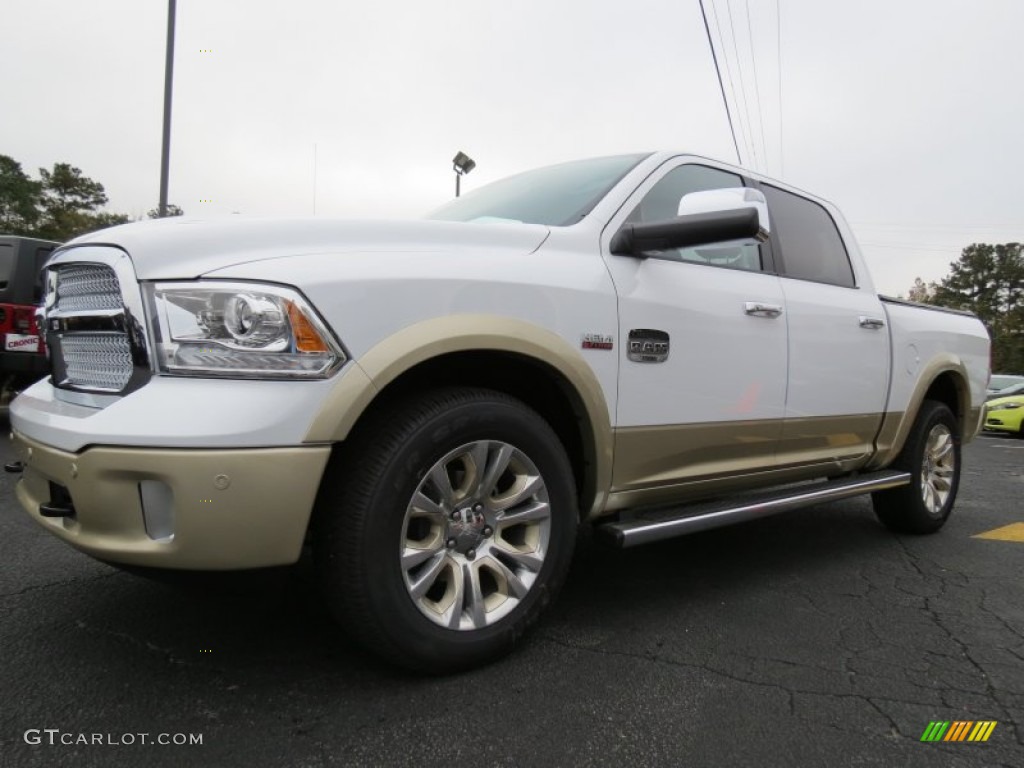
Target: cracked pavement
x=811, y=638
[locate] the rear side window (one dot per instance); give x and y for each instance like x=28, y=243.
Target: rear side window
x=811, y=246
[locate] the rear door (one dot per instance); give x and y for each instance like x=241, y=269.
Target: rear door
x=838, y=340
x=702, y=380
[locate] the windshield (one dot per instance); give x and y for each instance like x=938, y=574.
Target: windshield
x=558, y=195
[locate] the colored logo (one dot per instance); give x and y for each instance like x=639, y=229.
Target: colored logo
x=958, y=730
x=598, y=341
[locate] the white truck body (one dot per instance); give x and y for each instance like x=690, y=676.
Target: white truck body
x=764, y=377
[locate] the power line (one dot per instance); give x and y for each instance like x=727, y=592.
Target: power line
x=757, y=89
x=734, y=99
x=728, y=69
x=748, y=123
x=778, y=51
x=721, y=85
x=913, y=247
x=930, y=228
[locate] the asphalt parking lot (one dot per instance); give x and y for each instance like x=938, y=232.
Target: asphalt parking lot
x=813, y=638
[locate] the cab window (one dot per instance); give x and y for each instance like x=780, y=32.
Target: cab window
x=662, y=202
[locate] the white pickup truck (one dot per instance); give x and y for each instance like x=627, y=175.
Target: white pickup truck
x=656, y=344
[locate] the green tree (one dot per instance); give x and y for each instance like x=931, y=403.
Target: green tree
x=989, y=281
x=19, y=199
x=921, y=291
x=172, y=210
x=62, y=204
x=65, y=188
x=70, y=204
x=105, y=219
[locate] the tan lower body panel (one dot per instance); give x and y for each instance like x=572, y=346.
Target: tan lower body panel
x=887, y=437
x=660, y=455
x=975, y=422
x=664, y=464
x=897, y=425
x=221, y=509
x=828, y=438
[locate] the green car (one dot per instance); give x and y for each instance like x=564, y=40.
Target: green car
x=1006, y=414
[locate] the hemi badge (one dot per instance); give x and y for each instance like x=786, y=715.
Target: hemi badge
x=598, y=341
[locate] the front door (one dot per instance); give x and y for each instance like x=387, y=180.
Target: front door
x=702, y=345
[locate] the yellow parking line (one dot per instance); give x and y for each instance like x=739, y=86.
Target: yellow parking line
x=1011, y=532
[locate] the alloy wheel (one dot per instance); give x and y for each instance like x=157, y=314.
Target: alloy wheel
x=475, y=535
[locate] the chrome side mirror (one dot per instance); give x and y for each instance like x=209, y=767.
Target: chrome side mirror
x=733, y=199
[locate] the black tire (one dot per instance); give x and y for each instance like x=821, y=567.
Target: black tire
x=914, y=508
x=364, y=522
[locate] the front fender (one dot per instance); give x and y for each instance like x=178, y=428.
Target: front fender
x=390, y=358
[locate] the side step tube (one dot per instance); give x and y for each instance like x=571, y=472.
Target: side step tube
x=656, y=524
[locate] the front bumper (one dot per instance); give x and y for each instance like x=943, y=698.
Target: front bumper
x=199, y=509
x=997, y=423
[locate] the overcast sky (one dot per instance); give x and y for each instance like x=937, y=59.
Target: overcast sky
x=908, y=114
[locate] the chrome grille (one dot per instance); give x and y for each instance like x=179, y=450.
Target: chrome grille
x=97, y=360
x=94, y=324
x=87, y=287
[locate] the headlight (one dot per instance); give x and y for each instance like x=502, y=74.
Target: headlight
x=240, y=330
x=1005, y=407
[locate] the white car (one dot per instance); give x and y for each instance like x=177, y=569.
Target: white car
x=1002, y=381
x=437, y=404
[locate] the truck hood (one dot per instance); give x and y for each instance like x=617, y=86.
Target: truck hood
x=182, y=248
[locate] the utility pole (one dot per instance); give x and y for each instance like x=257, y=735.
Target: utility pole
x=165, y=156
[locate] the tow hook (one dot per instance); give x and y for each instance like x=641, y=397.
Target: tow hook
x=60, y=509
x=60, y=504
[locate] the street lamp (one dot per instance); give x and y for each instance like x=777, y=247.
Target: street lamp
x=461, y=164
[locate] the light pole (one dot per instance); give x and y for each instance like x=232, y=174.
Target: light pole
x=461, y=164
x=165, y=155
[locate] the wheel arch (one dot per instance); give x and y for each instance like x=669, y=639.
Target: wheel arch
x=505, y=354
x=945, y=380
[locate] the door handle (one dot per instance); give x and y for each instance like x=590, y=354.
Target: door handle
x=872, y=323
x=759, y=309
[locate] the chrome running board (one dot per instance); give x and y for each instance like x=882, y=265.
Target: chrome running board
x=650, y=525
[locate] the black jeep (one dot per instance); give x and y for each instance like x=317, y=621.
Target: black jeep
x=23, y=351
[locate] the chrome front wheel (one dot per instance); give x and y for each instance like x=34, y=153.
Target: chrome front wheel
x=475, y=535
x=448, y=528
